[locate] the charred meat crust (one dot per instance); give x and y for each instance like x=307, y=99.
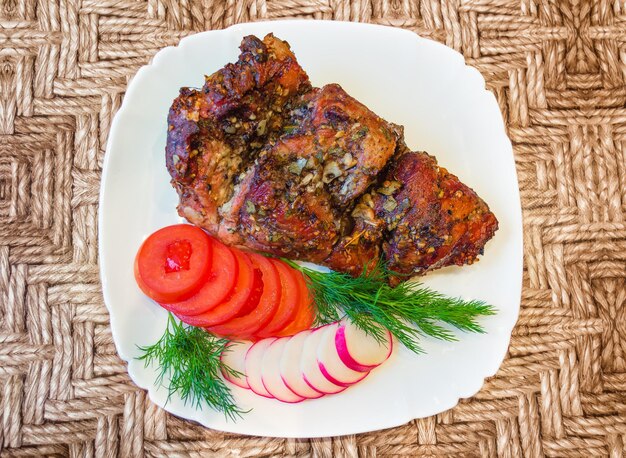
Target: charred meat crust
x=215, y=133
x=262, y=159
x=431, y=218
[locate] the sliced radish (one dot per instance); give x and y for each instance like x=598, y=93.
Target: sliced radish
x=331, y=365
x=253, y=361
x=235, y=357
x=270, y=373
x=311, y=372
x=290, y=366
x=359, y=351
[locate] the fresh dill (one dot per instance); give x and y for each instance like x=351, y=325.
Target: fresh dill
x=409, y=311
x=190, y=365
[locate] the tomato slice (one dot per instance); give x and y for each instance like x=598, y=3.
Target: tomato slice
x=234, y=302
x=289, y=299
x=220, y=282
x=255, y=294
x=305, y=315
x=173, y=262
x=245, y=326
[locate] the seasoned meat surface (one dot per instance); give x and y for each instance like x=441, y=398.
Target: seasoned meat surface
x=215, y=133
x=355, y=143
x=296, y=199
x=281, y=213
x=261, y=159
x=432, y=219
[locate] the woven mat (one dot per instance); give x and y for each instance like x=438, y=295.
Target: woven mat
x=558, y=72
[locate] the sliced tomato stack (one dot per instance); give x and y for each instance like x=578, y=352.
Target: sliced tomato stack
x=230, y=292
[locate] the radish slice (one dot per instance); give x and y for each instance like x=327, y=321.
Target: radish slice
x=234, y=356
x=331, y=365
x=359, y=351
x=290, y=366
x=270, y=373
x=253, y=362
x=311, y=372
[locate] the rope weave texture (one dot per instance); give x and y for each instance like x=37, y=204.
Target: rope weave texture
x=558, y=70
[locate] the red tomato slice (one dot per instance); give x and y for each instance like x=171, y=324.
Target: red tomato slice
x=173, y=263
x=234, y=302
x=220, y=282
x=289, y=299
x=305, y=315
x=245, y=326
x=255, y=294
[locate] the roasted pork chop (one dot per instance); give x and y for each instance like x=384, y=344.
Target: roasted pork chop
x=261, y=159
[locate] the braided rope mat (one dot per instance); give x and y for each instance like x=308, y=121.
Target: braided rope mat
x=558, y=70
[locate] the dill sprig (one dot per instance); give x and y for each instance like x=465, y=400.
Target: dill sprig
x=409, y=311
x=190, y=364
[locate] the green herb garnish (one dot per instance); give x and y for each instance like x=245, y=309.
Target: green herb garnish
x=190, y=358
x=408, y=311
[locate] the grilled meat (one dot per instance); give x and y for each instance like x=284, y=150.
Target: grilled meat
x=293, y=200
x=262, y=159
x=215, y=133
x=432, y=219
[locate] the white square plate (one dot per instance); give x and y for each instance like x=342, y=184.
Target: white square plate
x=407, y=80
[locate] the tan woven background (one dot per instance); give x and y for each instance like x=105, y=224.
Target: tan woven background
x=558, y=70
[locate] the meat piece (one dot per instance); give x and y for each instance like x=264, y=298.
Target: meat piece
x=433, y=220
x=215, y=133
x=356, y=144
x=293, y=200
x=360, y=248
x=261, y=159
x=280, y=212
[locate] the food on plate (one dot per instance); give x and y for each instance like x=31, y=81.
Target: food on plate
x=262, y=159
x=217, y=131
x=189, y=364
x=304, y=366
x=270, y=296
x=261, y=310
x=305, y=313
x=234, y=357
x=289, y=300
x=330, y=364
x=254, y=366
x=433, y=220
x=276, y=170
x=270, y=373
x=219, y=283
x=290, y=366
x=358, y=351
x=173, y=263
x=409, y=311
x=311, y=372
x=247, y=282
x=243, y=295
